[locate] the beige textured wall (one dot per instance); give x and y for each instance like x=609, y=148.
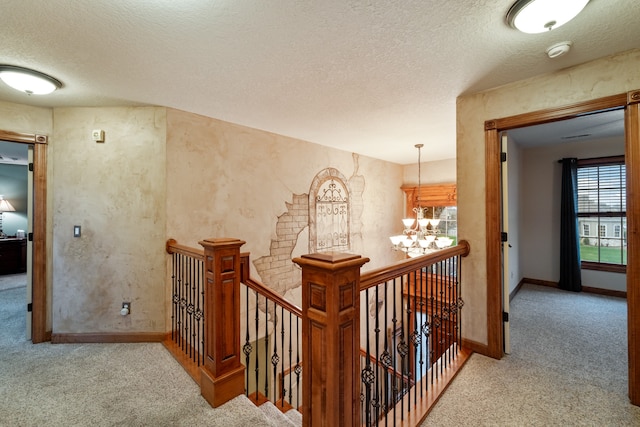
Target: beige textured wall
x=603, y=77
x=436, y=172
x=26, y=119
x=116, y=192
x=227, y=180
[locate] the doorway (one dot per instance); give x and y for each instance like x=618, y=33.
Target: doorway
x=493, y=128
x=37, y=234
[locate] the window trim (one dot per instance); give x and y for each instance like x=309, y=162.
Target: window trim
x=593, y=265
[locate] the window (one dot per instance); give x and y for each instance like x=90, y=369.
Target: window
x=602, y=204
x=603, y=231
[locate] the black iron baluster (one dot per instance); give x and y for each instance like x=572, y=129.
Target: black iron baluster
x=440, y=313
x=394, y=320
x=432, y=330
x=386, y=357
x=173, y=292
x=266, y=347
x=459, y=301
x=415, y=336
x=190, y=309
x=449, y=312
x=246, y=348
x=298, y=368
x=257, y=371
x=283, y=390
x=377, y=331
x=366, y=374
x=290, y=360
x=274, y=357
x=423, y=339
x=200, y=311
x=407, y=339
x=180, y=311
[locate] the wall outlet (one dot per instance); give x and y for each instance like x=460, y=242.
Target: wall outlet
x=126, y=309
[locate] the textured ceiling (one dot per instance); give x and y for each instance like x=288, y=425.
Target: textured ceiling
x=373, y=77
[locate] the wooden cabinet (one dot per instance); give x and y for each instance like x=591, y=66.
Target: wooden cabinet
x=430, y=195
x=13, y=256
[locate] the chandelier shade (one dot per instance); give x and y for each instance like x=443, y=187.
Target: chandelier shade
x=420, y=233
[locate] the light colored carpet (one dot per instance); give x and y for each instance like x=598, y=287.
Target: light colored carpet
x=101, y=384
x=568, y=367
x=558, y=374
x=11, y=281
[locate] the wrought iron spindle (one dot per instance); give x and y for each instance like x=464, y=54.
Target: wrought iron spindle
x=283, y=390
x=386, y=357
x=266, y=347
x=290, y=359
x=257, y=369
x=367, y=373
x=191, y=309
x=459, y=300
x=275, y=358
x=298, y=368
x=173, y=293
x=415, y=334
x=394, y=320
x=376, y=398
x=247, y=348
x=200, y=312
x=433, y=318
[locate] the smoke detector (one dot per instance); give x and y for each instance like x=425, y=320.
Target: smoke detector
x=559, y=49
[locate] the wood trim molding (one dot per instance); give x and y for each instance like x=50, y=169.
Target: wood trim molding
x=585, y=289
x=475, y=346
x=632, y=155
x=633, y=97
x=40, y=311
x=107, y=337
x=28, y=138
x=39, y=332
x=495, y=337
x=559, y=113
x=630, y=101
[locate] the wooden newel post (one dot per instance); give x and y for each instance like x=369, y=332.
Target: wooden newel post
x=331, y=338
x=223, y=372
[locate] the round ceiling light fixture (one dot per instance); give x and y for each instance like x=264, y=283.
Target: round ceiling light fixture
x=538, y=16
x=28, y=81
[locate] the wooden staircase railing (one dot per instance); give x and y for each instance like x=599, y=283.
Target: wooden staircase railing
x=334, y=383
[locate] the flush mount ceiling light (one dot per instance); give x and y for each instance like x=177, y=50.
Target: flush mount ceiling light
x=28, y=81
x=538, y=16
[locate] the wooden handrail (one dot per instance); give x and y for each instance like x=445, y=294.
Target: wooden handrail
x=262, y=289
x=173, y=247
x=398, y=269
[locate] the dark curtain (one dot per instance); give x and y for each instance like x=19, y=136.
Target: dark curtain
x=570, y=279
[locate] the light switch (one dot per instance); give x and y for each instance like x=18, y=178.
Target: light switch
x=76, y=231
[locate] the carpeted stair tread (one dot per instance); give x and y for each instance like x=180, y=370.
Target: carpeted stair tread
x=277, y=417
x=294, y=416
